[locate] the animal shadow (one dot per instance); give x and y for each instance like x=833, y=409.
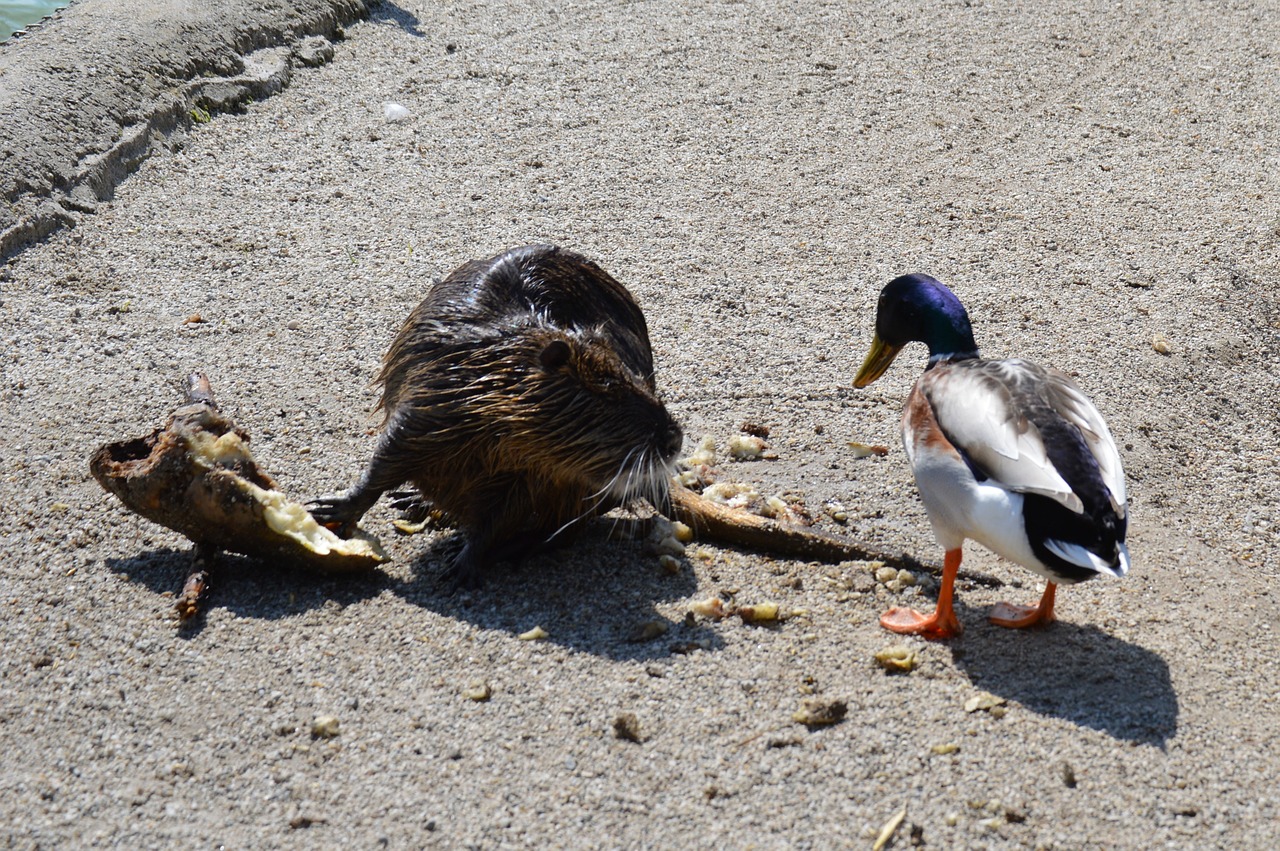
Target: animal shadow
x=1077, y=673
x=594, y=596
x=249, y=587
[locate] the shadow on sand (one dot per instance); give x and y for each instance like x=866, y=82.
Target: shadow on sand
x=1077, y=673
x=595, y=596
x=388, y=12
x=247, y=586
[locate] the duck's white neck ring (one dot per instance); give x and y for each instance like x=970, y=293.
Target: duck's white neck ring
x=934, y=360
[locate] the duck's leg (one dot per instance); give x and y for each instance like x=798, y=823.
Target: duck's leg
x=943, y=622
x=1018, y=617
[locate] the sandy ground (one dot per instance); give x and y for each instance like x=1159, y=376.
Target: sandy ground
x=1086, y=176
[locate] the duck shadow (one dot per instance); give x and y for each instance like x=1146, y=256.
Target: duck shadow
x=1077, y=673
x=593, y=596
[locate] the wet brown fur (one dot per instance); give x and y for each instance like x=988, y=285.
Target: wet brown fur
x=519, y=399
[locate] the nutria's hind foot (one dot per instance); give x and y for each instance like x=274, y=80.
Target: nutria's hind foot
x=464, y=573
x=475, y=561
x=341, y=511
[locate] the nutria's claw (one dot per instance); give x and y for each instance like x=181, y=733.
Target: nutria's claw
x=337, y=512
x=411, y=505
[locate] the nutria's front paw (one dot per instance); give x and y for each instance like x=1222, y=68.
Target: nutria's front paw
x=337, y=511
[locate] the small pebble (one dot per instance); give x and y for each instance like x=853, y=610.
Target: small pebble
x=626, y=726
x=394, y=113
x=477, y=690
x=648, y=631
x=669, y=546
x=818, y=711
x=1068, y=775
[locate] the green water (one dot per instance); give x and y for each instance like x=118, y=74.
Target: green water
x=19, y=14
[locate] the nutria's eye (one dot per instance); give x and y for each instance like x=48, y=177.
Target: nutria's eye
x=555, y=355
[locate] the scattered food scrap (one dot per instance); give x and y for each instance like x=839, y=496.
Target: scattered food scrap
x=866, y=450
x=898, y=658
x=324, y=727
x=886, y=832
x=713, y=608
x=535, y=634
x=983, y=701
x=759, y=613
x=746, y=447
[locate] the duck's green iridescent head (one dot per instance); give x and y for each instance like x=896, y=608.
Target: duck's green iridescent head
x=917, y=308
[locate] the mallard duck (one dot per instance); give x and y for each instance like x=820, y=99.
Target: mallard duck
x=1005, y=452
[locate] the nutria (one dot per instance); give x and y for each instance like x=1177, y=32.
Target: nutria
x=519, y=400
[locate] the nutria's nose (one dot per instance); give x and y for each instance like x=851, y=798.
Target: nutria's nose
x=673, y=439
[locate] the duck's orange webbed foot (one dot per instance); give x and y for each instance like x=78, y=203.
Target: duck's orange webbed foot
x=938, y=626
x=1020, y=617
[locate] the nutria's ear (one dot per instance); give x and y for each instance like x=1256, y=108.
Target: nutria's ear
x=555, y=355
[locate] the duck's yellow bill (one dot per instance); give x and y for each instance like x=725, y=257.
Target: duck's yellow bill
x=878, y=360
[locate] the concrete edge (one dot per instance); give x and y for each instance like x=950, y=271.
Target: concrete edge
x=44, y=208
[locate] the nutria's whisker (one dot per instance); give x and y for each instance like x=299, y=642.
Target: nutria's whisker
x=609, y=486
